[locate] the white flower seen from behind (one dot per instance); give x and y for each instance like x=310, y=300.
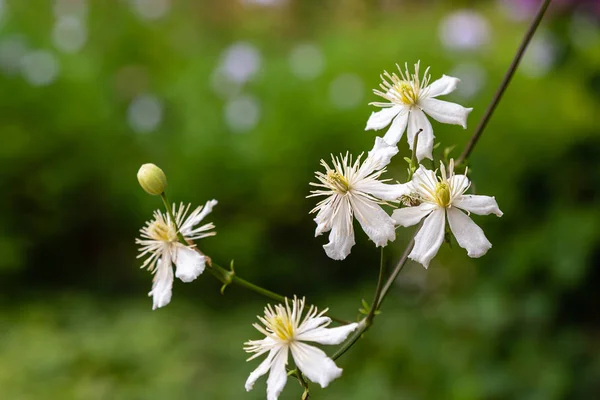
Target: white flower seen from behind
x=160, y=244
x=353, y=189
x=436, y=198
x=409, y=97
x=286, y=331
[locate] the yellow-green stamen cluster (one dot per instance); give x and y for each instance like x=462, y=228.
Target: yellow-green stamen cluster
x=163, y=230
x=442, y=194
x=338, y=181
x=282, y=327
x=405, y=89
x=406, y=92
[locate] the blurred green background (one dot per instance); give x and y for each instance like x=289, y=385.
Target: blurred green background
x=238, y=100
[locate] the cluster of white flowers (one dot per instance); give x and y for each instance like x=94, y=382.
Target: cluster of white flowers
x=352, y=187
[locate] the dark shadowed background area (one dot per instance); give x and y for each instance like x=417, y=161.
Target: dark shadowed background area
x=238, y=100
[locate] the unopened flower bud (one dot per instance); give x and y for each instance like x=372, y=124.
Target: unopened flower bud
x=152, y=179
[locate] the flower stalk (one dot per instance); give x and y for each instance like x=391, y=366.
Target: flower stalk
x=505, y=81
x=414, y=163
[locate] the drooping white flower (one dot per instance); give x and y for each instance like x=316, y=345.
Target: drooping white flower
x=437, y=198
x=354, y=189
x=286, y=330
x=159, y=242
x=409, y=97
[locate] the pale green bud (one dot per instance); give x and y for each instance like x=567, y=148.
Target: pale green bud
x=152, y=179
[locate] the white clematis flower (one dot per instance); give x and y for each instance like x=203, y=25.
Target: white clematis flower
x=159, y=240
x=409, y=99
x=354, y=189
x=285, y=330
x=437, y=198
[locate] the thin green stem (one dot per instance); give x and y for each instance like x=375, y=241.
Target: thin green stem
x=374, y=305
x=413, y=158
x=368, y=320
x=225, y=276
x=231, y=277
x=363, y=325
x=366, y=323
x=505, y=81
x=303, y=383
x=397, y=269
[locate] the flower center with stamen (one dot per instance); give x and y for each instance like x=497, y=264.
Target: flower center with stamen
x=338, y=182
x=442, y=194
x=407, y=93
x=159, y=230
x=283, y=327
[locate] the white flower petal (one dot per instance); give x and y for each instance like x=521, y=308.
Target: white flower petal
x=446, y=84
x=207, y=209
x=429, y=238
x=381, y=119
x=480, y=205
x=327, y=335
x=446, y=112
x=378, y=157
x=468, y=235
x=162, y=283
x=375, y=222
x=189, y=263
x=313, y=323
x=424, y=180
x=278, y=375
x=315, y=364
x=383, y=191
x=196, y=217
x=325, y=215
x=418, y=120
x=409, y=216
x=341, y=237
x=459, y=184
x=396, y=130
x=261, y=369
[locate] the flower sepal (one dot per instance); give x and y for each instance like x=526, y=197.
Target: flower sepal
x=227, y=276
x=366, y=309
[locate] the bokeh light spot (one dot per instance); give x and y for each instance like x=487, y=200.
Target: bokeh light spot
x=346, y=91
x=12, y=50
x=39, y=67
x=472, y=77
x=242, y=113
x=150, y=9
x=145, y=113
x=70, y=8
x=464, y=30
x=69, y=34
x=306, y=61
x=240, y=62
x=540, y=56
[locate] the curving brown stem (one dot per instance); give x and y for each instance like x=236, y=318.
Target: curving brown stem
x=505, y=82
